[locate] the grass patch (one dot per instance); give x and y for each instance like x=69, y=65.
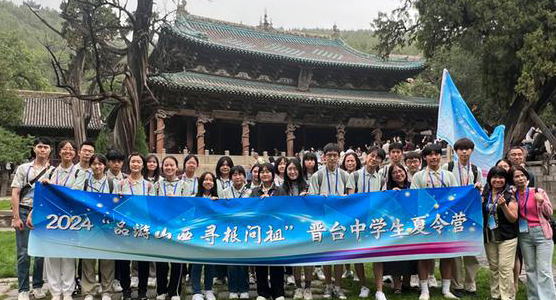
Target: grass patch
x=8, y=257
x=5, y=204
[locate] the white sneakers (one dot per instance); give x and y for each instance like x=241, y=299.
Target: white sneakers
x=318, y=272
x=134, y=282
x=432, y=281
x=116, y=286
x=104, y=297
x=38, y=293
x=307, y=294
x=449, y=295
x=88, y=297
x=424, y=296
x=161, y=297
x=290, y=280
x=261, y=298
x=347, y=274
x=298, y=294
x=198, y=297
x=209, y=295
x=380, y=296
x=365, y=292
x=56, y=297
x=175, y=298
x=233, y=296
x=244, y=295
x=23, y=296
x=69, y=297
x=280, y=298
x=151, y=282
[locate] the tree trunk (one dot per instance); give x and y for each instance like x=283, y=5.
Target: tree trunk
x=517, y=123
x=80, y=109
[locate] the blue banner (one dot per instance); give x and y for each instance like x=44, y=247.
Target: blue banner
x=456, y=121
x=378, y=226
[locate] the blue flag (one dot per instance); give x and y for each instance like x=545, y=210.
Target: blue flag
x=456, y=121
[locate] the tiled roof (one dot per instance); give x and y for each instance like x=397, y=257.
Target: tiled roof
x=197, y=82
x=282, y=45
x=52, y=110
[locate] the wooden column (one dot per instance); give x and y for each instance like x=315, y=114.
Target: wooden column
x=189, y=135
x=290, y=138
x=152, y=141
x=159, y=134
x=201, y=120
x=340, y=135
x=245, y=131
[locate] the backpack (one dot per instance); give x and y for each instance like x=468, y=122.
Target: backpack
x=110, y=185
x=474, y=170
x=343, y=177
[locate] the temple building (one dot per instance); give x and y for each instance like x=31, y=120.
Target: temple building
x=225, y=86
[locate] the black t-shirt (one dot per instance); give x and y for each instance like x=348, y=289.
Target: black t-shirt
x=506, y=230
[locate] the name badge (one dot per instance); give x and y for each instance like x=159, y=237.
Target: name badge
x=492, y=223
x=523, y=226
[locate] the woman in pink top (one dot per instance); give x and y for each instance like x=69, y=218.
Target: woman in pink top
x=535, y=236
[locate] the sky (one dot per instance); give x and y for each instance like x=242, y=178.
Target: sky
x=346, y=14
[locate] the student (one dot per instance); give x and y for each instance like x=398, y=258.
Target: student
x=395, y=155
x=152, y=174
x=190, y=165
x=280, y=170
x=136, y=184
x=223, y=167
x=169, y=186
x=535, y=235
x=368, y=180
x=276, y=288
x=98, y=183
x=152, y=169
x=254, y=177
x=295, y=185
x=500, y=233
x=208, y=188
x=238, y=276
x=433, y=176
x=517, y=156
x=466, y=173
x=83, y=172
x=412, y=162
x=23, y=188
x=351, y=162
x=330, y=180
x=115, y=163
x=310, y=165
x=60, y=272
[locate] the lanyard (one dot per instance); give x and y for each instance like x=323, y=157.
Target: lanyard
x=492, y=209
x=225, y=184
x=328, y=180
x=131, y=188
x=526, y=200
x=164, y=184
x=367, y=181
x=240, y=192
x=101, y=189
x=441, y=178
x=194, y=184
x=468, y=175
x=27, y=175
x=67, y=177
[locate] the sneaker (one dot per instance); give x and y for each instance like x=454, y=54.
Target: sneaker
x=57, y=297
x=45, y=288
x=298, y=294
x=161, y=297
x=307, y=294
x=88, y=297
x=290, y=280
x=338, y=293
x=320, y=275
x=186, y=277
x=134, y=282
x=432, y=281
x=347, y=274
x=380, y=296
x=414, y=281
x=219, y=281
x=449, y=295
x=364, y=292
x=244, y=295
x=280, y=298
x=106, y=297
x=38, y=293
x=151, y=282
x=116, y=286
x=198, y=297
x=424, y=296
x=69, y=297
x=175, y=298
x=261, y=298
x=328, y=291
x=23, y=296
x=233, y=296
x=355, y=277
x=209, y=295
x=252, y=279
x=458, y=292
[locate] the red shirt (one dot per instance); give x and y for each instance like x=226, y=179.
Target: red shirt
x=529, y=212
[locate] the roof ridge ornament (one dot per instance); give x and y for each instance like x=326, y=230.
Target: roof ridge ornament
x=335, y=32
x=181, y=10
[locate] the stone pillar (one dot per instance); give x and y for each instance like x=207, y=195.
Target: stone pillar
x=290, y=138
x=189, y=136
x=340, y=135
x=245, y=136
x=159, y=134
x=152, y=141
x=201, y=120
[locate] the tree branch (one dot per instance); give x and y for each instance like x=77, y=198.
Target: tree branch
x=44, y=21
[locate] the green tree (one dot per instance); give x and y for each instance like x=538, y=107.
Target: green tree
x=512, y=41
x=13, y=148
x=141, y=140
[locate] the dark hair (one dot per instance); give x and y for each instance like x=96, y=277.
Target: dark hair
x=115, y=155
x=357, y=161
x=412, y=155
x=503, y=160
x=379, y=152
x=237, y=169
x=464, y=144
x=267, y=166
x=271, y=159
x=300, y=181
x=497, y=171
x=156, y=171
x=201, y=189
x=172, y=158
x=429, y=149
x=391, y=184
x=187, y=158
x=277, y=162
x=518, y=168
x=331, y=147
x=64, y=143
x=101, y=159
x=395, y=146
x=142, y=159
x=221, y=161
x=310, y=156
x=42, y=140
x=87, y=143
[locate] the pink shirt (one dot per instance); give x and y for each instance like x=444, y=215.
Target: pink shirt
x=529, y=212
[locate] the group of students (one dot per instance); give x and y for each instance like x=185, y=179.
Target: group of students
x=507, y=201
